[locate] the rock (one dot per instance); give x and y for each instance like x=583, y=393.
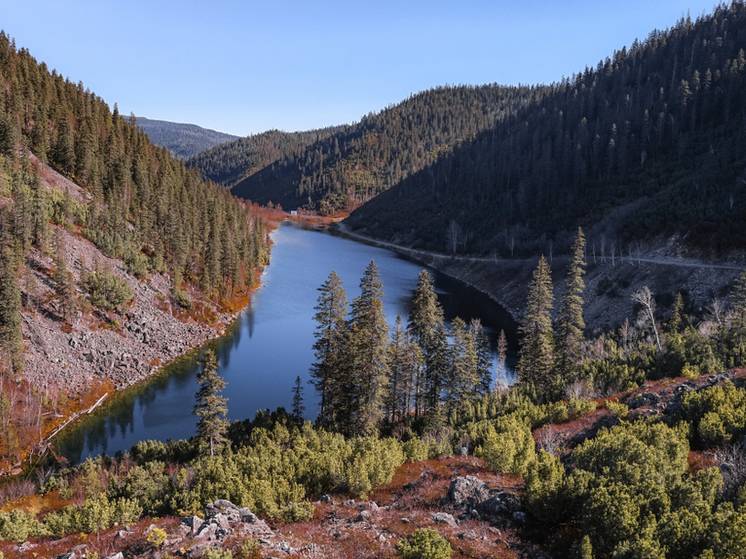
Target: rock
x=363, y=516
x=498, y=505
x=118, y=555
x=222, y=522
x=644, y=399
x=468, y=491
x=247, y=517
x=325, y=498
x=519, y=516
x=121, y=534
x=285, y=546
x=26, y=546
x=208, y=532
x=194, y=523
x=444, y=518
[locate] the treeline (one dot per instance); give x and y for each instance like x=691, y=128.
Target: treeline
x=358, y=162
x=367, y=379
x=644, y=145
x=139, y=203
x=230, y=162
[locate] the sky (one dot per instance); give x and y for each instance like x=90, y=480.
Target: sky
x=244, y=66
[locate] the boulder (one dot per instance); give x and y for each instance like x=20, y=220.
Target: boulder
x=468, y=491
x=194, y=523
x=444, y=518
x=498, y=505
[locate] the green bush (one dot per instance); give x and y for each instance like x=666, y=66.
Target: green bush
x=19, y=525
x=507, y=445
x=717, y=413
x=107, y=291
x=425, y=543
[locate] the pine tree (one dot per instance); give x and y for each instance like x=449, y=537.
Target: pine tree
x=463, y=378
x=502, y=354
x=536, y=359
x=11, y=341
x=586, y=548
x=426, y=327
x=738, y=299
x=405, y=364
x=484, y=356
x=367, y=354
x=298, y=407
x=39, y=213
x=570, y=323
x=63, y=279
x=211, y=407
x=327, y=371
x=677, y=315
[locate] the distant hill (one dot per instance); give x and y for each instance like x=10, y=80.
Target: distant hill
x=357, y=162
x=183, y=140
x=230, y=162
x=643, y=148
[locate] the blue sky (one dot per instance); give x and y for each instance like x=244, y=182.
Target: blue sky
x=245, y=66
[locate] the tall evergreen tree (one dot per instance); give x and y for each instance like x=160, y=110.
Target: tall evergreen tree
x=368, y=353
x=738, y=299
x=11, y=341
x=484, y=356
x=299, y=407
x=570, y=323
x=426, y=327
x=502, y=354
x=327, y=371
x=463, y=379
x=63, y=278
x=405, y=364
x=677, y=315
x=211, y=407
x=536, y=358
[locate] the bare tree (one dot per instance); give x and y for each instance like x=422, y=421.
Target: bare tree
x=644, y=297
x=716, y=311
x=732, y=462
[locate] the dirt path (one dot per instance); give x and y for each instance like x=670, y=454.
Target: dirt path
x=344, y=230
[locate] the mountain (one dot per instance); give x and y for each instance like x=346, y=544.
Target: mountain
x=358, y=162
x=230, y=162
x=183, y=140
x=645, y=147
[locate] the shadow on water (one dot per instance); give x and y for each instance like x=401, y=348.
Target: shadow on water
x=270, y=343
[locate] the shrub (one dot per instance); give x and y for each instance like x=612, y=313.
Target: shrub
x=156, y=537
x=19, y=525
x=425, y=543
x=507, y=446
x=106, y=291
x=617, y=409
x=717, y=413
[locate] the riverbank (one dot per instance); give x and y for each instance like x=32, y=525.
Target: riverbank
x=610, y=283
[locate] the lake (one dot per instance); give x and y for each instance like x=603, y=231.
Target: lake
x=271, y=342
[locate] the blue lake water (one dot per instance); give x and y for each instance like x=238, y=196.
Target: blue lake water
x=270, y=343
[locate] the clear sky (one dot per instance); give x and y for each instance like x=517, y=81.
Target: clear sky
x=247, y=66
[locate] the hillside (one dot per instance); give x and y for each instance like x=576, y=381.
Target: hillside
x=640, y=150
x=114, y=257
x=230, y=162
x=360, y=161
x=182, y=140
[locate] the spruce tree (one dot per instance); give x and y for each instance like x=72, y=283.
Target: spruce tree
x=405, y=365
x=536, y=358
x=298, y=407
x=11, y=341
x=677, y=315
x=63, y=278
x=484, y=356
x=502, y=353
x=327, y=371
x=210, y=407
x=570, y=322
x=427, y=329
x=463, y=378
x=738, y=300
x=367, y=354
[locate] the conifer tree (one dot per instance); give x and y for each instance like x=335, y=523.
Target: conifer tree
x=427, y=329
x=484, y=356
x=298, y=406
x=327, y=371
x=502, y=352
x=211, y=407
x=367, y=354
x=570, y=323
x=405, y=364
x=11, y=342
x=39, y=213
x=63, y=279
x=536, y=358
x=677, y=312
x=738, y=299
x=463, y=378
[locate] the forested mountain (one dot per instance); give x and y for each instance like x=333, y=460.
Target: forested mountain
x=230, y=162
x=362, y=160
x=183, y=140
x=140, y=205
x=648, y=143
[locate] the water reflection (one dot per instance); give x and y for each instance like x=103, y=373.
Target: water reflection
x=270, y=343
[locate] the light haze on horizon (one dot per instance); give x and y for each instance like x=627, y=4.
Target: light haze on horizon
x=244, y=67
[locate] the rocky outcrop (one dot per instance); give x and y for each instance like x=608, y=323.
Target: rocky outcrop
x=477, y=500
